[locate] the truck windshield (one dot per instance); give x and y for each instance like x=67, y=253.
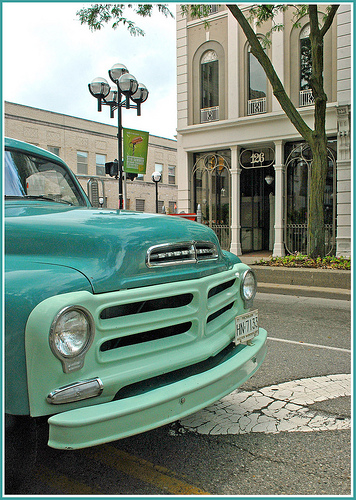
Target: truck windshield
x=33, y=177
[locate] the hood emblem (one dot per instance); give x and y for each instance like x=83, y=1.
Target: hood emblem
x=187, y=252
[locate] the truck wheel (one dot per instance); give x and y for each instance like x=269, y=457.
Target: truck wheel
x=20, y=450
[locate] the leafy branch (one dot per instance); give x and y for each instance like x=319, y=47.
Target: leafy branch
x=98, y=15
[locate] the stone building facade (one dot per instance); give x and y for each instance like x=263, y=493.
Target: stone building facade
x=86, y=145
x=239, y=156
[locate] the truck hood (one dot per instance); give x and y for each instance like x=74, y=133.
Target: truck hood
x=109, y=247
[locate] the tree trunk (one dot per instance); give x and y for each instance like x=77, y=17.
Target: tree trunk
x=319, y=141
x=316, y=226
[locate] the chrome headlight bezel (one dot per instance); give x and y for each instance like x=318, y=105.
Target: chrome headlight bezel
x=75, y=361
x=248, y=291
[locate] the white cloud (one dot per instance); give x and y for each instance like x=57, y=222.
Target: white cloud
x=49, y=59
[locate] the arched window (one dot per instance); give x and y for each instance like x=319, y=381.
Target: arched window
x=257, y=86
x=209, y=86
x=306, y=97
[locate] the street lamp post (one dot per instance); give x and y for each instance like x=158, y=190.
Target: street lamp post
x=156, y=177
x=127, y=86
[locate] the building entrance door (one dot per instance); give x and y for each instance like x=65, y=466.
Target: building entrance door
x=257, y=214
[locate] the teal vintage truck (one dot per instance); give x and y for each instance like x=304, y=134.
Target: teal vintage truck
x=116, y=322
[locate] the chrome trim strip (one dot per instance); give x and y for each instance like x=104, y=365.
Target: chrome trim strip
x=51, y=398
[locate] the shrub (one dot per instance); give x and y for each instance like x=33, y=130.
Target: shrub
x=300, y=260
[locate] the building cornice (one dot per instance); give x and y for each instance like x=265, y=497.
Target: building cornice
x=257, y=129
x=247, y=120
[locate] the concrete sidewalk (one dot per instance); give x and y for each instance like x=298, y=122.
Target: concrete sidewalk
x=309, y=282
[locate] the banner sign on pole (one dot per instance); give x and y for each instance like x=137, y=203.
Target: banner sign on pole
x=135, y=144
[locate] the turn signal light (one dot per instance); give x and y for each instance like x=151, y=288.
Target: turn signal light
x=76, y=392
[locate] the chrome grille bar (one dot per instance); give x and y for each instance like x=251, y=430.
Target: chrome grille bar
x=189, y=252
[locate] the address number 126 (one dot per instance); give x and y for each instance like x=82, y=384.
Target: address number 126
x=257, y=157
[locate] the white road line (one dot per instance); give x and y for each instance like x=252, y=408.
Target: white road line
x=274, y=409
x=311, y=345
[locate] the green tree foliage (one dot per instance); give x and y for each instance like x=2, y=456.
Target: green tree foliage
x=98, y=15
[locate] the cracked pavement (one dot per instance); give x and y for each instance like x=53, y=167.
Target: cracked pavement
x=273, y=409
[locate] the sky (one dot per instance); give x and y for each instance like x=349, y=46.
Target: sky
x=49, y=59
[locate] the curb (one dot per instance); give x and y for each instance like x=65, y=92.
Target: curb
x=305, y=291
x=325, y=283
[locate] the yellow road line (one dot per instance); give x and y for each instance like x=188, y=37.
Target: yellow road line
x=63, y=484
x=143, y=470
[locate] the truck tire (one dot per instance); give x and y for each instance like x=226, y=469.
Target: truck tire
x=20, y=450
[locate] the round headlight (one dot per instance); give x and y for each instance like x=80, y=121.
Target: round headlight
x=71, y=335
x=248, y=286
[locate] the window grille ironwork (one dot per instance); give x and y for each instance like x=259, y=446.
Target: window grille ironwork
x=297, y=238
x=306, y=98
x=256, y=106
x=209, y=114
x=297, y=190
x=223, y=233
x=211, y=185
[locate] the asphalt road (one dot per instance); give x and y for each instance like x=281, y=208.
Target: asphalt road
x=309, y=356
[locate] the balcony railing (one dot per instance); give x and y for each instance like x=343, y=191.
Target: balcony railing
x=209, y=114
x=256, y=106
x=306, y=98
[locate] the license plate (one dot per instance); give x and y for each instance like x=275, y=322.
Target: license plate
x=246, y=327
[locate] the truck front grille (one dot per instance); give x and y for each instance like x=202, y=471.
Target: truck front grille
x=165, y=327
x=144, y=306
x=221, y=288
x=220, y=312
x=146, y=336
